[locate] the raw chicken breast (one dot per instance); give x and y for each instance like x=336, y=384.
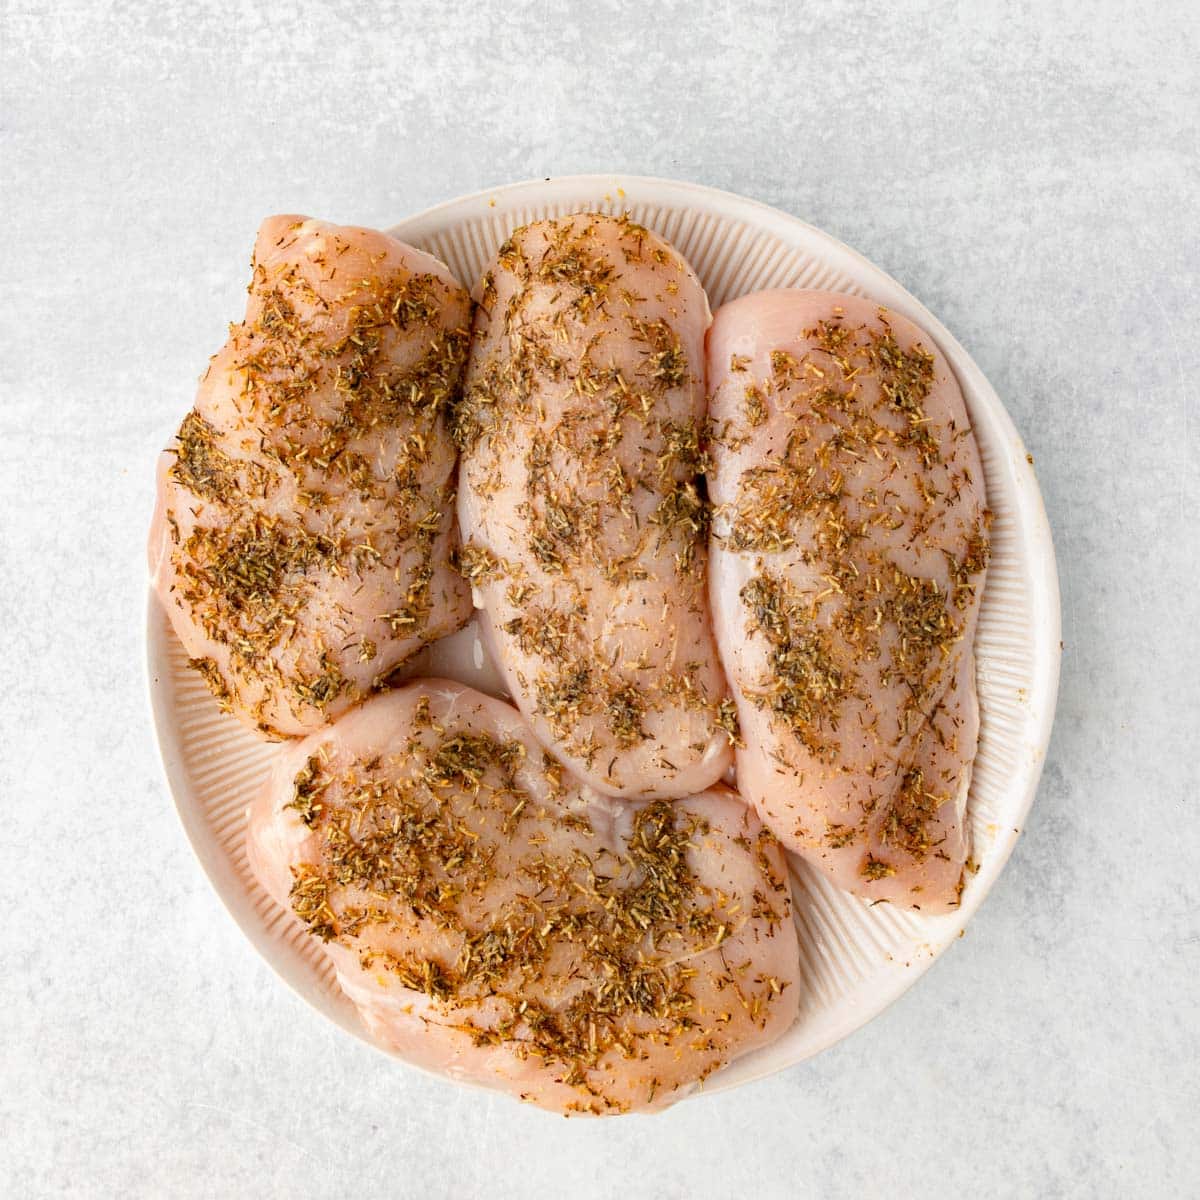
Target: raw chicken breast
x=848, y=550
x=497, y=921
x=305, y=524
x=582, y=432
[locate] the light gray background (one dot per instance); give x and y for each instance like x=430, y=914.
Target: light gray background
x=1029, y=171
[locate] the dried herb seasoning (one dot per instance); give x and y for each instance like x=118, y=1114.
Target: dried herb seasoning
x=406, y=844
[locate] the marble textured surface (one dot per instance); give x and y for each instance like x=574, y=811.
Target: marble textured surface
x=1030, y=171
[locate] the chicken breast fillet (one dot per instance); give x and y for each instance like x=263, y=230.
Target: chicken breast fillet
x=848, y=553
x=303, y=536
x=497, y=921
x=582, y=433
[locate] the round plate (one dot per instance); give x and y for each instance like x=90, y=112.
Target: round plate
x=855, y=959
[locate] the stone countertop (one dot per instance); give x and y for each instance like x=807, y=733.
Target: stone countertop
x=1029, y=171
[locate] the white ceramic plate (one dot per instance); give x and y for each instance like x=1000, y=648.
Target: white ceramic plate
x=855, y=959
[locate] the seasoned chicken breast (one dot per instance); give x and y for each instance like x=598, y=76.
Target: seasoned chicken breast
x=304, y=530
x=848, y=553
x=582, y=435
x=496, y=920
